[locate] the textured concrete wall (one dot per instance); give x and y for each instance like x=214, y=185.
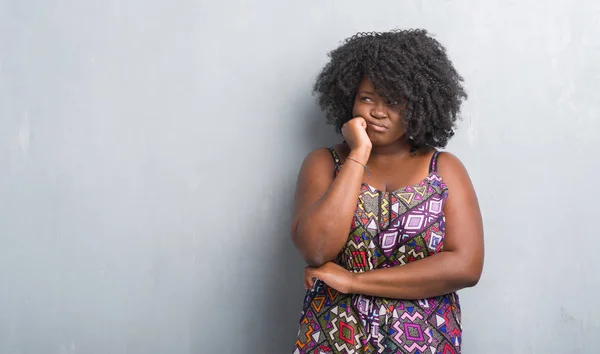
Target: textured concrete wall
x=149, y=149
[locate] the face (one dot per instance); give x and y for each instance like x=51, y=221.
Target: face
x=384, y=118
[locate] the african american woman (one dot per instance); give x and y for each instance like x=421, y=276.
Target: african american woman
x=389, y=226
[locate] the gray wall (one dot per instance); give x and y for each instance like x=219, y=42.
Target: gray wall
x=149, y=150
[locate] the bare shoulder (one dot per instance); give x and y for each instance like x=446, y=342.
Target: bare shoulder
x=452, y=170
x=449, y=161
x=317, y=168
x=315, y=176
x=319, y=158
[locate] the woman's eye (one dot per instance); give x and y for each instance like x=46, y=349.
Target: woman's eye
x=393, y=103
x=367, y=99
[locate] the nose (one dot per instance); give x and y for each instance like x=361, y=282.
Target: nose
x=379, y=111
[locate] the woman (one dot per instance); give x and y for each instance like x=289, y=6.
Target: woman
x=389, y=226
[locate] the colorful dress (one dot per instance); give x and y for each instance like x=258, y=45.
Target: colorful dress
x=389, y=229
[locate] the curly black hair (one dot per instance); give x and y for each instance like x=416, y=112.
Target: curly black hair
x=405, y=66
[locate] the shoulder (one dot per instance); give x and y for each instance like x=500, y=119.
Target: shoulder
x=318, y=161
x=448, y=161
x=328, y=155
x=317, y=170
x=322, y=155
x=451, y=169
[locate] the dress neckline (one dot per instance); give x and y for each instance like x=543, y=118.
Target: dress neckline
x=403, y=188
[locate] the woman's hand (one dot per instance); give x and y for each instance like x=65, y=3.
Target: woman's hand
x=354, y=132
x=331, y=274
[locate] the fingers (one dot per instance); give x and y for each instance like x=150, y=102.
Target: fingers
x=360, y=122
x=309, y=278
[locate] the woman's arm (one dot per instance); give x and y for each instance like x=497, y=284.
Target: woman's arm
x=459, y=265
x=324, y=206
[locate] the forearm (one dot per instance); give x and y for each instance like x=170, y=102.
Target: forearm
x=322, y=230
x=436, y=275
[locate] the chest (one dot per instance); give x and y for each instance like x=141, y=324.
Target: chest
x=391, y=219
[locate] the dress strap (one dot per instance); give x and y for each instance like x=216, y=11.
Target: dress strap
x=433, y=163
x=336, y=160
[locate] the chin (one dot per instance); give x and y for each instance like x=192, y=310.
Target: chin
x=382, y=142
x=381, y=139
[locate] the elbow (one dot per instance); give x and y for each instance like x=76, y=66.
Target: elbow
x=471, y=279
x=311, y=256
x=468, y=270
x=470, y=276
x=315, y=260
x=313, y=249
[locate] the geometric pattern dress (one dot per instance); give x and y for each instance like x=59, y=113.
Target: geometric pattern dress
x=389, y=229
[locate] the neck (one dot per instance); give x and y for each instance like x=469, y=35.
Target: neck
x=400, y=146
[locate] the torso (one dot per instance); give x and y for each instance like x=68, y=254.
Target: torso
x=392, y=226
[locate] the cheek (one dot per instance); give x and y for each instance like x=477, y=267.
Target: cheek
x=356, y=109
x=399, y=123
x=361, y=108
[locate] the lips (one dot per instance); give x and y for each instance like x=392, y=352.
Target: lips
x=377, y=127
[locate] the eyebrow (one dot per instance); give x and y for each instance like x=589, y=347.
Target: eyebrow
x=369, y=93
